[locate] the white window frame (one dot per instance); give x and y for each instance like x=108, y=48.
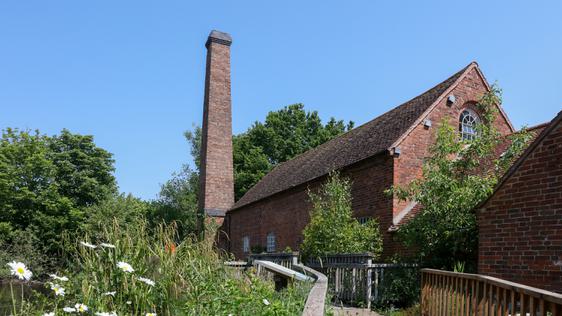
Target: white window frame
x=270, y=242
x=468, y=119
x=246, y=244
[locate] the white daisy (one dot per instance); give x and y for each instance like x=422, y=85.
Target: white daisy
x=125, y=267
x=69, y=309
x=106, y=314
x=20, y=270
x=59, y=290
x=109, y=293
x=81, y=308
x=86, y=244
x=56, y=277
x=107, y=245
x=128, y=302
x=49, y=314
x=147, y=281
x=265, y=302
x=150, y=314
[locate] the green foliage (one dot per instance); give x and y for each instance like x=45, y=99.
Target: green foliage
x=189, y=278
x=284, y=134
x=332, y=228
x=177, y=202
x=46, y=182
x=457, y=176
x=400, y=288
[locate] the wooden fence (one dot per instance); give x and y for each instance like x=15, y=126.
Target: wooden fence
x=452, y=293
x=354, y=278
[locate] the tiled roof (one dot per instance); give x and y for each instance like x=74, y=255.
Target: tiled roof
x=360, y=143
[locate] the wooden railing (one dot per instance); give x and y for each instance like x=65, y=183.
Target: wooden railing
x=452, y=293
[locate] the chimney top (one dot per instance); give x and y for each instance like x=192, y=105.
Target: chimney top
x=219, y=37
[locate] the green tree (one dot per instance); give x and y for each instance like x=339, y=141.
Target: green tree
x=332, y=228
x=457, y=176
x=283, y=135
x=46, y=183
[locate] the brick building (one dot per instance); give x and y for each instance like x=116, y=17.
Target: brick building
x=520, y=236
x=385, y=151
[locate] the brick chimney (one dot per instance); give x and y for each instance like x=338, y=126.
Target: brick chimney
x=216, y=179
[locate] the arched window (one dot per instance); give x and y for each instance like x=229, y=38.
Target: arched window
x=467, y=124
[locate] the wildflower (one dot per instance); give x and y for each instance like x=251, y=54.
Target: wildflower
x=49, y=314
x=81, y=308
x=109, y=293
x=147, y=281
x=69, y=309
x=125, y=267
x=59, y=290
x=20, y=270
x=129, y=302
x=86, y=244
x=150, y=314
x=56, y=277
x=265, y=302
x=107, y=245
x=106, y=314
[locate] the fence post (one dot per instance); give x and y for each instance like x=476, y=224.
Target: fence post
x=369, y=282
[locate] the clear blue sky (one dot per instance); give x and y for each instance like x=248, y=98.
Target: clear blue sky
x=131, y=72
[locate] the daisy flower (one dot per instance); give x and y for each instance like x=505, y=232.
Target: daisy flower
x=265, y=302
x=81, y=308
x=56, y=277
x=125, y=267
x=109, y=293
x=147, y=281
x=20, y=270
x=105, y=245
x=150, y=314
x=49, y=314
x=69, y=309
x=86, y=244
x=59, y=290
x=106, y=314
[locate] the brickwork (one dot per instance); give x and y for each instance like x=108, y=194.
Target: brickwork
x=286, y=214
x=520, y=235
x=408, y=166
x=216, y=177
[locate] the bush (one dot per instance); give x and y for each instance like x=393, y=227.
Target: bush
x=400, y=288
x=332, y=228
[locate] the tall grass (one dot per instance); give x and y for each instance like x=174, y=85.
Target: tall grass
x=189, y=278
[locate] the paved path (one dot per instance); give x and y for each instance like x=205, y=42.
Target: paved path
x=351, y=311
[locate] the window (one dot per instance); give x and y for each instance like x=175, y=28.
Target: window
x=467, y=124
x=246, y=244
x=270, y=242
x=363, y=220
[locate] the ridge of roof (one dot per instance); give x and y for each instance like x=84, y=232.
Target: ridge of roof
x=547, y=128
x=369, y=139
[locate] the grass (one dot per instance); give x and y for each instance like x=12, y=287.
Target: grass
x=189, y=278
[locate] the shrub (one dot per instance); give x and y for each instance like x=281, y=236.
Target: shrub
x=332, y=228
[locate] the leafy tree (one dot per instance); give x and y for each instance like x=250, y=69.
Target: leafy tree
x=177, y=201
x=332, y=228
x=47, y=182
x=457, y=176
x=285, y=134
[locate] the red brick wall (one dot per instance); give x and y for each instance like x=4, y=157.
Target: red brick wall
x=287, y=213
x=415, y=146
x=216, y=177
x=520, y=235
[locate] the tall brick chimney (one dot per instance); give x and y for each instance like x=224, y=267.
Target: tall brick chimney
x=216, y=179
